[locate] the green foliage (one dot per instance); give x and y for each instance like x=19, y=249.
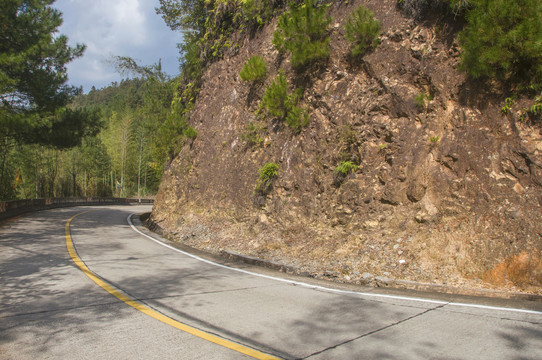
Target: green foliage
x=346, y=167
x=303, y=32
x=268, y=171
x=190, y=133
x=275, y=98
x=421, y=100
x=70, y=127
x=191, y=64
x=342, y=171
x=434, y=139
x=131, y=148
x=173, y=132
x=534, y=112
x=278, y=102
x=508, y=103
x=257, y=12
x=186, y=15
x=33, y=75
x=297, y=118
x=254, y=69
x=362, y=30
x=34, y=96
x=253, y=134
x=265, y=181
x=224, y=17
x=502, y=40
x=536, y=108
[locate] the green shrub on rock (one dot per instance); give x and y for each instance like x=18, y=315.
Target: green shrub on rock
x=346, y=167
x=282, y=105
x=275, y=98
x=265, y=181
x=362, y=30
x=303, y=32
x=253, y=134
x=342, y=171
x=297, y=118
x=254, y=69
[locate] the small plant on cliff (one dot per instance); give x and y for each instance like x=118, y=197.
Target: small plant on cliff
x=534, y=112
x=254, y=69
x=275, y=99
x=421, y=100
x=342, y=171
x=253, y=134
x=508, y=103
x=265, y=181
x=346, y=167
x=362, y=30
x=190, y=133
x=297, y=117
x=536, y=108
x=282, y=105
x=303, y=32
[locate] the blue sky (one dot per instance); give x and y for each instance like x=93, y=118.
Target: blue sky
x=119, y=27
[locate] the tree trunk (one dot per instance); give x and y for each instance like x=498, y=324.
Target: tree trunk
x=139, y=169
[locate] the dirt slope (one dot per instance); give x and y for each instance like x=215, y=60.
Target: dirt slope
x=447, y=193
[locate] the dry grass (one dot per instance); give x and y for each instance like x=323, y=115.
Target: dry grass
x=523, y=270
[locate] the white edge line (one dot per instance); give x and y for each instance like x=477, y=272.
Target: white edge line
x=337, y=291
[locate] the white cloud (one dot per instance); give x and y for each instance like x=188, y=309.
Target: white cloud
x=108, y=28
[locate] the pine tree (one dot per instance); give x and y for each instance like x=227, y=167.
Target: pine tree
x=362, y=30
x=278, y=102
x=503, y=39
x=33, y=62
x=254, y=69
x=303, y=32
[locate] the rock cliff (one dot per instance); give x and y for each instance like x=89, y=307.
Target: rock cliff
x=448, y=189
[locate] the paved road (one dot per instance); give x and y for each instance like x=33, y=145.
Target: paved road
x=50, y=309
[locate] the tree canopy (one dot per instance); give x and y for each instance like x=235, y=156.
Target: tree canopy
x=186, y=15
x=33, y=75
x=503, y=39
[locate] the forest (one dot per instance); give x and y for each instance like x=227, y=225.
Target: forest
x=56, y=141
x=124, y=157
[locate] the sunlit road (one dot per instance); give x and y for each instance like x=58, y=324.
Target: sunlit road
x=52, y=309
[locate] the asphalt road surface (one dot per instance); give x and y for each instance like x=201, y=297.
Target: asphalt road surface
x=121, y=295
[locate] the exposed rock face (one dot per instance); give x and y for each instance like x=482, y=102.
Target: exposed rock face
x=449, y=192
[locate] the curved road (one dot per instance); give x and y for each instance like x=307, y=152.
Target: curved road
x=122, y=295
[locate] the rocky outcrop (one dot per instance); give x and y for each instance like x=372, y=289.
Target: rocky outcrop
x=447, y=191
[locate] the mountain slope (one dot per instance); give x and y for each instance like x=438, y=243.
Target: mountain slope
x=447, y=190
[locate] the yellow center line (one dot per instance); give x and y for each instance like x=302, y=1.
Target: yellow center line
x=144, y=309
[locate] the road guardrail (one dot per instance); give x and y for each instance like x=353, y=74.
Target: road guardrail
x=14, y=208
